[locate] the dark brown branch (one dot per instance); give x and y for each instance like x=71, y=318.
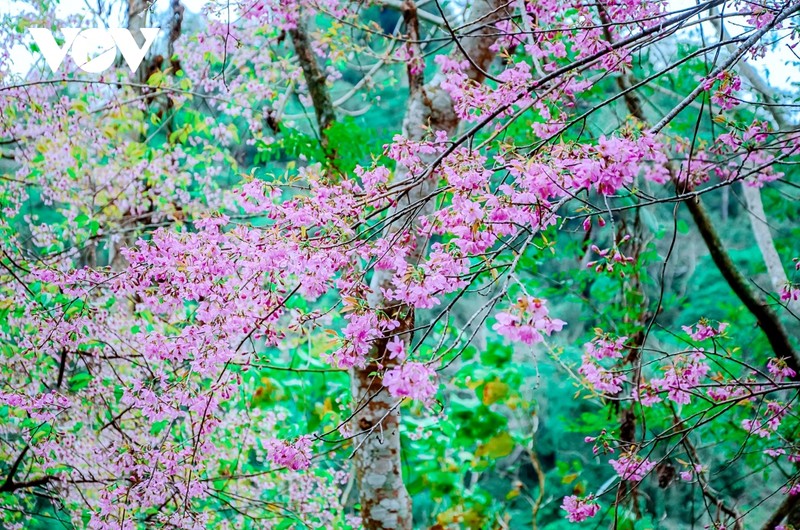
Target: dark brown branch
x=175, y=28
x=62, y=365
x=790, y=507
x=15, y=466
x=315, y=79
x=9, y=485
x=768, y=320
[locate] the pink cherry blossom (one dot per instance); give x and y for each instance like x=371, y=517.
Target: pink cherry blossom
x=527, y=322
x=579, y=509
x=705, y=330
x=605, y=347
x=396, y=348
x=768, y=421
x=601, y=379
x=414, y=380
x=294, y=456
x=632, y=467
x=685, y=373
x=779, y=369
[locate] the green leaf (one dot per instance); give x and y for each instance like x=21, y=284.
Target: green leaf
x=494, y=391
x=79, y=381
x=497, y=447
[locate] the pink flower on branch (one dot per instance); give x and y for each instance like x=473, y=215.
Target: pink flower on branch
x=705, y=330
x=764, y=426
x=682, y=376
x=413, y=380
x=294, y=456
x=579, y=509
x=396, y=348
x=728, y=85
x=779, y=369
x=527, y=321
x=601, y=379
x=632, y=467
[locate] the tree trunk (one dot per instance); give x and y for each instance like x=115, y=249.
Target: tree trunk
x=385, y=503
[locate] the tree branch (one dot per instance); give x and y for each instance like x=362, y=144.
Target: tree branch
x=9, y=485
x=315, y=80
x=767, y=318
x=743, y=48
x=752, y=195
x=789, y=508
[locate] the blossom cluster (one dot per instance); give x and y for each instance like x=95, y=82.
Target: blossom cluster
x=527, y=322
x=579, y=509
x=411, y=379
x=600, y=378
x=294, y=456
x=632, y=467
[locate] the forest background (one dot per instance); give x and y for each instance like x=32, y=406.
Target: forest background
x=182, y=347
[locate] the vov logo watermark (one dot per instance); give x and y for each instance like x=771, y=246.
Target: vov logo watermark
x=84, y=45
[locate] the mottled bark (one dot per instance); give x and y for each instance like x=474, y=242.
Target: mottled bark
x=385, y=503
x=175, y=27
x=137, y=18
x=766, y=244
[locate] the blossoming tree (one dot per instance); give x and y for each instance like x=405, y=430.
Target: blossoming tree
x=271, y=278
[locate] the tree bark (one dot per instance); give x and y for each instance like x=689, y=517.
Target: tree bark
x=763, y=236
x=137, y=18
x=789, y=510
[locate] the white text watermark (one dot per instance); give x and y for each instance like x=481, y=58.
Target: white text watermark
x=81, y=44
